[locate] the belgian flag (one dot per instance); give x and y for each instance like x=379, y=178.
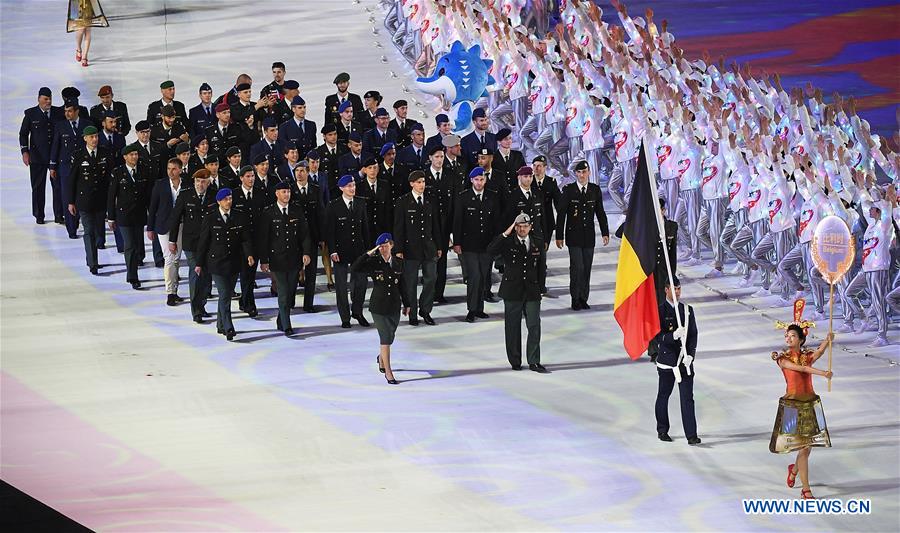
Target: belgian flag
x=636, y=309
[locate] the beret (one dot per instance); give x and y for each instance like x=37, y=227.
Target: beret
x=106, y=89
x=223, y=193
x=525, y=171
x=298, y=100
x=44, y=91
x=354, y=137
x=127, y=149
x=313, y=154
x=222, y=107
x=478, y=113
x=242, y=87
x=168, y=111
x=386, y=148
x=345, y=180
x=269, y=122
x=109, y=114
x=383, y=238
x=182, y=148
x=201, y=174
x=211, y=157
x=90, y=130
x=283, y=185
x=581, y=165
x=484, y=151
x=416, y=175
x=343, y=107
x=372, y=94
x=70, y=92
x=417, y=127
x=71, y=102
x=503, y=133
x=523, y=218
x=302, y=164
x=168, y=84
x=278, y=64
x=400, y=103
x=435, y=148
x=477, y=171
x=369, y=161
x=197, y=139
x=381, y=112
x=245, y=169
x=291, y=84
x=260, y=158
x=329, y=127
x=142, y=125
x=232, y=150
x=539, y=159
x=343, y=77
x=441, y=119
x=205, y=87
x=450, y=140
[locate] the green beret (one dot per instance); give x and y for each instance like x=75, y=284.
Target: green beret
x=90, y=130
x=133, y=147
x=168, y=84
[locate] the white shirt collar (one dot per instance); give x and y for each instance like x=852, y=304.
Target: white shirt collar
x=523, y=190
x=347, y=201
x=281, y=206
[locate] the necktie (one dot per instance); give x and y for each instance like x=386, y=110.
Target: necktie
x=401, y=122
x=249, y=195
x=302, y=129
x=479, y=197
x=374, y=190
x=225, y=217
x=419, y=201
x=437, y=177
x=303, y=191
x=202, y=196
x=481, y=140
x=528, y=195
x=418, y=153
x=93, y=154
x=584, y=189
x=284, y=211
x=506, y=159
x=350, y=206
x=524, y=248
x=47, y=114
x=332, y=151
x=75, y=127
x=208, y=113
x=131, y=173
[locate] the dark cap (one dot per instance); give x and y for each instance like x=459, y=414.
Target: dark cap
x=182, y=148
x=105, y=90
x=503, y=133
x=417, y=127
x=400, y=103
x=168, y=111
x=479, y=113
x=354, y=137
x=212, y=158
x=372, y=94
x=242, y=87
x=381, y=112
x=313, y=155
x=369, y=161
x=205, y=87
x=539, y=159
x=484, y=151
x=142, y=125
x=70, y=103
x=581, y=165
x=269, y=122
x=298, y=100
x=168, y=84
x=109, y=114
x=245, y=169
x=441, y=119
x=343, y=77
x=416, y=175
x=45, y=91
x=291, y=84
x=282, y=186
x=70, y=92
x=435, y=149
x=232, y=150
x=260, y=158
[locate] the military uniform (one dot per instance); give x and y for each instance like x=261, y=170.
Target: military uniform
x=88, y=192
x=402, y=130
x=128, y=198
x=507, y=167
x=36, y=139
x=417, y=232
x=201, y=117
x=333, y=102
x=67, y=139
x=474, y=225
x=388, y=292
x=379, y=204
x=575, y=225
x=440, y=190
x=532, y=204
x=666, y=363
x=521, y=293
x=153, y=156
x=310, y=202
x=292, y=134
x=251, y=205
x=154, y=113
x=123, y=123
x=160, y=135
x=220, y=140
x=374, y=139
x=224, y=245
x=187, y=218
x=346, y=234
x=550, y=192
x=284, y=238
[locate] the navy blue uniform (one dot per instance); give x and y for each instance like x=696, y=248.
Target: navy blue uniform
x=67, y=138
x=669, y=348
x=303, y=137
x=123, y=123
x=35, y=139
x=200, y=118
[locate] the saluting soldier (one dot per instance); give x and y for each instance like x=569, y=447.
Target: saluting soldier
x=474, y=225
x=581, y=203
x=186, y=221
x=524, y=258
x=284, y=245
x=225, y=244
x=154, y=110
x=333, y=102
x=377, y=193
x=68, y=137
x=308, y=197
x=346, y=235
x=250, y=201
x=418, y=232
x=169, y=132
x=127, y=202
x=35, y=140
x=298, y=130
x=106, y=106
x=202, y=115
x=90, y=174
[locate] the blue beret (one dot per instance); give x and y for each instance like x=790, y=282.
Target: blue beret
x=478, y=113
x=269, y=122
x=291, y=84
x=477, y=171
x=386, y=148
x=223, y=193
x=345, y=180
x=71, y=102
x=109, y=114
x=441, y=118
x=417, y=127
x=383, y=238
x=298, y=100
x=346, y=105
x=381, y=112
x=45, y=91
x=503, y=133
x=355, y=137
x=205, y=87
x=313, y=154
x=283, y=185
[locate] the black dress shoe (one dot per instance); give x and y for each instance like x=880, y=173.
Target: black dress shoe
x=159, y=265
x=346, y=325
x=440, y=300
x=331, y=287
x=230, y=334
x=576, y=306
x=39, y=221
x=72, y=236
x=378, y=360
x=664, y=437
x=413, y=321
x=101, y=246
x=539, y=368
x=516, y=367
x=170, y=300
x=544, y=290
x=470, y=317
x=178, y=299
x=220, y=331
x=204, y=314
x=482, y=314
x=693, y=441
x=310, y=309
x=253, y=313
x=136, y=285
x=584, y=305
x=362, y=320
x=95, y=271
x=198, y=319
x=288, y=332
x=489, y=297
x=59, y=220
x=428, y=320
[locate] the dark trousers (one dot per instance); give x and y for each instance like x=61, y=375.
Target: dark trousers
x=440, y=281
x=224, y=286
x=62, y=174
x=199, y=286
x=93, y=225
x=120, y=242
x=685, y=394
x=357, y=288
x=411, y=269
x=580, y=261
x=478, y=279
x=286, y=281
x=309, y=282
x=158, y=257
x=133, y=242
x=512, y=319
x=248, y=278
x=38, y=173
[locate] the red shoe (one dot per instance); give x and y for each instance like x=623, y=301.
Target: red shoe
x=77, y=55
x=84, y=62
x=792, y=475
x=806, y=494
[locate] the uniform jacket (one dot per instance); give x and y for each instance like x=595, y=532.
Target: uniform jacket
x=199, y=119
x=123, y=123
x=154, y=113
x=379, y=205
x=417, y=229
x=576, y=214
x=290, y=133
x=36, y=133
x=347, y=233
x=551, y=193
x=313, y=208
x=89, y=178
x=283, y=240
x=373, y=140
x=474, y=221
x=333, y=102
x=471, y=144
x=517, y=202
x=187, y=216
x=523, y=269
x=66, y=141
x=669, y=346
x=224, y=246
x=388, y=288
x=127, y=198
x=508, y=170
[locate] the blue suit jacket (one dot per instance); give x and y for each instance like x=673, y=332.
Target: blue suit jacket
x=66, y=141
x=470, y=144
x=305, y=140
x=407, y=158
x=36, y=133
x=199, y=120
x=372, y=140
x=161, y=204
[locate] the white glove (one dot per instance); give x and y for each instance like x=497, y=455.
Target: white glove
x=680, y=333
x=688, y=360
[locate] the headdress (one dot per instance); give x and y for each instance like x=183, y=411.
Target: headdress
x=799, y=304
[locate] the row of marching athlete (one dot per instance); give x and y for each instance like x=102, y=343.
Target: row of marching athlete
x=747, y=167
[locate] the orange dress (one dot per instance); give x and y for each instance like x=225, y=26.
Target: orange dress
x=800, y=421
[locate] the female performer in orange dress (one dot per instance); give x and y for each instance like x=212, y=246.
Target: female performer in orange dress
x=800, y=422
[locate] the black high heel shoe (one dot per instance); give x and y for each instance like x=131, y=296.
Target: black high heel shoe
x=391, y=381
x=378, y=360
